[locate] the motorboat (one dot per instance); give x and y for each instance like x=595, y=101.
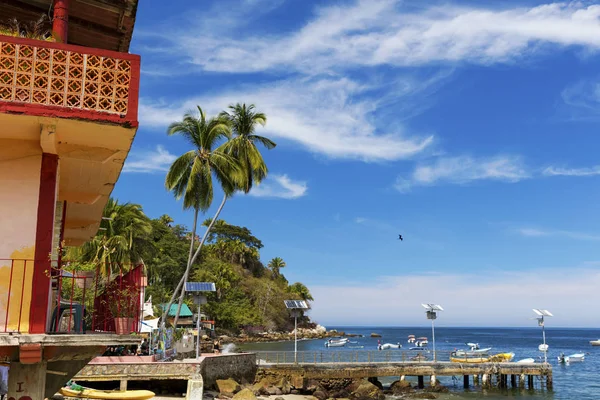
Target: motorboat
x=422, y=341
x=387, y=346
x=468, y=353
x=337, y=342
x=500, y=357
x=411, y=339
x=526, y=361
x=595, y=342
x=577, y=357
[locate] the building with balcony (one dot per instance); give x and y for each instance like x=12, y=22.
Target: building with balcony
x=68, y=116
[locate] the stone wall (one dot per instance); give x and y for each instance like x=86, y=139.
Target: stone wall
x=241, y=367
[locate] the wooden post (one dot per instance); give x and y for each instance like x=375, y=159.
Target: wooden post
x=466, y=381
x=60, y=20
x=420, y=384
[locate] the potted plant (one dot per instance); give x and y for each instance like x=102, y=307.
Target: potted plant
x=123, y=309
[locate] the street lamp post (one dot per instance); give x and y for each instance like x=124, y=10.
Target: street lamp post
x=197, y=288
x=540, y=318
x=296, y=308
x=432, y=315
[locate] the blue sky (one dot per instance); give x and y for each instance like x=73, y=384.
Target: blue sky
x=471, y=128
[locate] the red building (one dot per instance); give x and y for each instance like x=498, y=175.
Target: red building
x=68, y=116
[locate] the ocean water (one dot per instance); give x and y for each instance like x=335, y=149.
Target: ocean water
x=576, y=381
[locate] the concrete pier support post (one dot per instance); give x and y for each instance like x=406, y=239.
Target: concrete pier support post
x=549, y=382
x=522, y=381
x=475, y=380
x=466, y=381
x=123, y=385
x=485, y=380
x=195, y=389
x=420, y=382
x=27, y=381
x=402, y=377
x=433, y=380
x=513, y=380
x=530, y=381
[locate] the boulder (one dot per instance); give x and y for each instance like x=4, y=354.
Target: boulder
x=228, y=386
x=400, y=387
x=366, y=390
x=274, y=391
x=294, y=391
x=245, y=394
x=284, y=385
x=341, y=394
x=438, y=388
x=375, y=335
x=376, y=382
x=321, y=395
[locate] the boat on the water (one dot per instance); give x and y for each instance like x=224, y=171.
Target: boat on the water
x=422, y=341
x=86, y=393
x=577, y=357
x=526, y=361
x=595, y=342
x=411, y=339
x=500, y=357
x=468, y=353
x=337, y=342
x=387, y=346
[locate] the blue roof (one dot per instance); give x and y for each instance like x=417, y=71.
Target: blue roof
x=184, y=312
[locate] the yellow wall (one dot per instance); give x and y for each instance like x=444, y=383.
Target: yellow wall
x=20, y=163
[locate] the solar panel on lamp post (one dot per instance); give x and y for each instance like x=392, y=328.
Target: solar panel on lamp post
x=540, y=318
x=199, y=299
x=432, y=315
x=296, y=307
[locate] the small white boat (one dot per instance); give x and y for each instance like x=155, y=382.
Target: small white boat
x=526, y=361
x=336, y=342
x=387, y=346
x=411, y=339
x=595, y=342
x=577, y=357
x=472, y=352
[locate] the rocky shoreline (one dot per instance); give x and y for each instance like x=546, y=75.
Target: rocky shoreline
x=360, y=389
x=303, y=334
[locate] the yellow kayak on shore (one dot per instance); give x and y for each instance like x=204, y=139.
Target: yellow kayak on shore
x=500, y=357
x=107, y=394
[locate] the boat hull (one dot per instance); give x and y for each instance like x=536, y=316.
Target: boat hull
x=595, y=342
x=107, y=395
x=501, y=357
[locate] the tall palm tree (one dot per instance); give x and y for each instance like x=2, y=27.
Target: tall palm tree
x=243, y=120
x=275, y=265
x=191, y=175
x=121, y=239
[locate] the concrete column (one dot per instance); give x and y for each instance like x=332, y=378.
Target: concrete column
x=513, y=380
x=466, y=381
x=522, y=381
x=549, y=382
x=123, y=385
x=195, y=388
x=485, y=380
x=27, y=381
x=402, y=377
x=420, y=382
x=530, y=381
x=433, y=380
x=475, y=380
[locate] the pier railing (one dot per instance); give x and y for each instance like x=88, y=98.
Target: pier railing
x=344, y=357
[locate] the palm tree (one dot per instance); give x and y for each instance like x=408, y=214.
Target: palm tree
x=191, y=175
x=121, y=238
x=275, y=265
x=301, y=290
x=242, y=120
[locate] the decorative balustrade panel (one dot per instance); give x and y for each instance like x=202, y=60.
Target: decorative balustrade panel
x=55, y=77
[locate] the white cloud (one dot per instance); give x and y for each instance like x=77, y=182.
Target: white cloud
x=279, y=186
x=383, y=32
x=583, y=98
x=557, y=171
x=158, y=160
x=463, y=170
x=396, y=300
x=535, y=232
x=329, y=116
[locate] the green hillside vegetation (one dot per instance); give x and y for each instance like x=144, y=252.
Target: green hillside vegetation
x=249, y=293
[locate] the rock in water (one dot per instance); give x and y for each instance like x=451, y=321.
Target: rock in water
x=366, y=390
x=245, y=394
x=375, y=335
x=400, y=387
x=320, y=395
x=228, y=386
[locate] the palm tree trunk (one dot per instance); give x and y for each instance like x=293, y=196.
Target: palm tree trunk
x=174, y=295
x=196, y=254
x=187, y=269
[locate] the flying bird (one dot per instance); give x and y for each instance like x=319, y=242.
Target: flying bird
x=400, y=237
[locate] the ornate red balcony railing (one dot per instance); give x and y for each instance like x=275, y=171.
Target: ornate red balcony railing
x=46, y=78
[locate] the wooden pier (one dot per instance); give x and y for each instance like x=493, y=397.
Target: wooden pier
x=365, y=364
